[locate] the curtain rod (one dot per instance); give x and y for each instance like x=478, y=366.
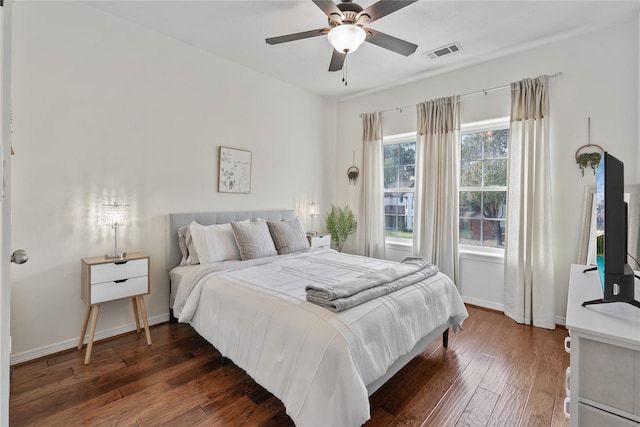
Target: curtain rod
x=478, y=92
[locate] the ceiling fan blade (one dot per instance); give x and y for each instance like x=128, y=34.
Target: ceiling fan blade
x=383, y=8
x=328, y=7
x=297, y=36
x=337, y=60
x=389, y=42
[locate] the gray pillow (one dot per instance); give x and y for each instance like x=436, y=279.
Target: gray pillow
x=187, y=248
x=253, y=239
x=288, y=236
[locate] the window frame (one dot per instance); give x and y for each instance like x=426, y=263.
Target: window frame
x=475, y=127
x=399, y=139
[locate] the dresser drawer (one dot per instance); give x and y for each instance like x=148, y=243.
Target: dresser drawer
x=593, y=417
x=608, y=375
x=113, y=271
x=107, y=291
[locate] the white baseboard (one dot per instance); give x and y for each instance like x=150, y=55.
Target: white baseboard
x=47, y=350
x=482, y=303
x=500, y=307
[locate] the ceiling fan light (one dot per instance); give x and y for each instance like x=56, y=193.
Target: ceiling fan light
x=346, y=37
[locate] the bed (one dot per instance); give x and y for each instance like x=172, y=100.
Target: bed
x=323, y=365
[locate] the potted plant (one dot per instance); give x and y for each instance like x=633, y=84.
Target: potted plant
x=586, y=160
x=352, y=174
x=340, y=223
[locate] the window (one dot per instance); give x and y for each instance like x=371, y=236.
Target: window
x=483, y=183
x=399, y=186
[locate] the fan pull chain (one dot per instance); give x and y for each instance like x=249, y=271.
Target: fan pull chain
x=344, y=69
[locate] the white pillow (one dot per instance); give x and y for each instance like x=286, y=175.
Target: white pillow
x=189, y=255
x=253, y=239
x=214, y=243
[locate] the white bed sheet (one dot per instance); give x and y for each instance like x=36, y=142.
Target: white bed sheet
x=177, y=274
x=175, y=277
x=316, y=361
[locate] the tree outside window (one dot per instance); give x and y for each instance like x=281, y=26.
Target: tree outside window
x=399, y=185
x=483, y=187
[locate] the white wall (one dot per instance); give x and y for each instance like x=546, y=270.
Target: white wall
x=106, y=111
x=600, y=81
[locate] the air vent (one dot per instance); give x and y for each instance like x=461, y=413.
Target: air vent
x=444, y=50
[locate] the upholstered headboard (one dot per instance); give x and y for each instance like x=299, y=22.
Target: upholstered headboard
x=177, y=220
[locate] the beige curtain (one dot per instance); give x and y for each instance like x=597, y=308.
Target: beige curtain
x=372, y=222
x=435, y=233
x=529, y=295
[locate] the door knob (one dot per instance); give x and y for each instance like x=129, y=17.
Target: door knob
x=19, y=256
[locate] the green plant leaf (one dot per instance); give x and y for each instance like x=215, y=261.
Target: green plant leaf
x=586, y=160
x=341, y=222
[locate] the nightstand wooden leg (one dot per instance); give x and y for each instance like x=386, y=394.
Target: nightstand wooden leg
x=143, y=310
x=84, y=327
x=135, y=313
x=92, y=332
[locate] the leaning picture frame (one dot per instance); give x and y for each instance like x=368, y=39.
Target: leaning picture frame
x=586, y=251
x=234, y=172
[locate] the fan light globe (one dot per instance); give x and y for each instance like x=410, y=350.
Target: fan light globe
x=346, y=38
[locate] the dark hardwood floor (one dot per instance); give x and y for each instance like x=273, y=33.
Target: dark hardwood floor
x=494, y=373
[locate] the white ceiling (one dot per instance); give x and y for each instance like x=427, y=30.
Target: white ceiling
x=236, y=30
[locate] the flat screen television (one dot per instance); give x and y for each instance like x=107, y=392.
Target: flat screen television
x=616, y=276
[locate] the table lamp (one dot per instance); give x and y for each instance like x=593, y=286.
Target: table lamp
x=115, y=216
x=314, y=211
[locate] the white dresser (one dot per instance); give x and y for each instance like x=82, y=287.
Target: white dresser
x=604, y=373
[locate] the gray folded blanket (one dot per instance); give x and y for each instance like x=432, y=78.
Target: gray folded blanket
x=342, y=295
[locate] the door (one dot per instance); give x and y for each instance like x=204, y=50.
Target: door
x=5, y=207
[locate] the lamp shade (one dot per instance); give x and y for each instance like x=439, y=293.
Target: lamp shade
x=115, y=215
x=346, y=38
x=314, y=209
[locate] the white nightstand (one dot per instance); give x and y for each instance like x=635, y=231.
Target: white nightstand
x=105, y=280
x=320, y=240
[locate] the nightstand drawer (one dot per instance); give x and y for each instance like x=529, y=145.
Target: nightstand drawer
x=113, y=271
x=112, y=290
x=320, y=241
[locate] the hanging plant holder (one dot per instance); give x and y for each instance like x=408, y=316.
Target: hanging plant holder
x=588, y=160
x=589, y=155
x=353, y=172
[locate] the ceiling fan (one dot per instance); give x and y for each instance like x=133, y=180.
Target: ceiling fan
x=347, y=31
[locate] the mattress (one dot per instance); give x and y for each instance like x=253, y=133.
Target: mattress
x=317, y=362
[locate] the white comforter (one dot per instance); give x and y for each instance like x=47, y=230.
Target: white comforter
x=316, y=362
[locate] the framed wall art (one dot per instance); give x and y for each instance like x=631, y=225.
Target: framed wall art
x=234, y=174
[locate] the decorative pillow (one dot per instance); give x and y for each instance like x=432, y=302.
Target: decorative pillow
x=189, y=255
x=214, y=243
x=253, y=239
x=288, y=236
